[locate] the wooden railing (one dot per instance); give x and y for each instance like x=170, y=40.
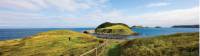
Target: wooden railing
x=97, y=50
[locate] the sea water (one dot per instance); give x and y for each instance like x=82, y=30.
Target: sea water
x=143, y=32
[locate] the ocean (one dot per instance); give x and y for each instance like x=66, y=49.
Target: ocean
x=6, y=34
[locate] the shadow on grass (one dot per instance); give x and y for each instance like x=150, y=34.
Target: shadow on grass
x=115, y=51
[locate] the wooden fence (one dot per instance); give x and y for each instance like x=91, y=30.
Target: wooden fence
x=97, y=50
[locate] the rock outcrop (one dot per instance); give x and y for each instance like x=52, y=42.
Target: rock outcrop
x=88, y=31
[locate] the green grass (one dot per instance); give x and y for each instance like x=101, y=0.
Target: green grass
x=116, y=29
x=180, y=44
x=52, y=43
x=112, y=47
x=108, y=24
x=57, y=43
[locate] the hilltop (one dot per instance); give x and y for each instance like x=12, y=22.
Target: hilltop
x=108, y=24
x=180, y=44
x=51, y=43
x=114, y=28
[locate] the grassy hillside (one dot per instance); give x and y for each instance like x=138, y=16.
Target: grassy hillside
x=181, y=44
x=52, y=43
x=115, y=29
x=108, y=24
x=57, y=43
x=126, y=31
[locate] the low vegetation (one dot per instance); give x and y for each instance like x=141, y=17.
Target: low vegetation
x=52, y=43
x=180, y=44
x=114, y=28
x=108, y=24
x=70, y=43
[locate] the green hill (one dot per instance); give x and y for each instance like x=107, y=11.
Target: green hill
x=114, y=28
x=180, y=44
x=70, y=43
x=52, y=43
x=108, y=24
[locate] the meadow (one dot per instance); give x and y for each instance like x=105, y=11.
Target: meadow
x=180, y=44
x=51, y=43
x=70, y=43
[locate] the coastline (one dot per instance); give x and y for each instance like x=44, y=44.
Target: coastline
x=6, y=34
x=59, y=38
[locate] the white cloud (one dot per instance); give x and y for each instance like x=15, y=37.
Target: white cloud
x=157, y=4
x=169, y=18
x=18, y=5
x=162, y=18
x=30, y=12
x=96, y=15
x=106, y=16
x=28, y=20
x=61, y=5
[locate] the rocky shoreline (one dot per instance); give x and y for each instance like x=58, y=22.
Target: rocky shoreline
x=107, y=36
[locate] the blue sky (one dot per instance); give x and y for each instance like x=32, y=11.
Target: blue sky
x=91, y=13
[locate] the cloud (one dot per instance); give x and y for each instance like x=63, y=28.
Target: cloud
x=37, y=13
x=169, y=18
x=161, y=18
x=18, y=5
x=85, y=13
x=60, y=5
x=157, y=4
x=30, y=20
x=99, y=16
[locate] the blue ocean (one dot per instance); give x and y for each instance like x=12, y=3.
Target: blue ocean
x=143, y=32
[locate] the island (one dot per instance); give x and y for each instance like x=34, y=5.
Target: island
x=137, y=26
x=114, y=29
x=185, y=26
x=158, y=27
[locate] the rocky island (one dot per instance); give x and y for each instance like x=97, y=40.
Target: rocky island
x=114, y=29
x=185, y=26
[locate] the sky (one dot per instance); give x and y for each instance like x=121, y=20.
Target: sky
x=91, y=13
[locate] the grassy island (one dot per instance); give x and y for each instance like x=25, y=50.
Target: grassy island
x=114, y=28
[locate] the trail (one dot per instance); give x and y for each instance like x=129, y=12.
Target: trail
x=99, y=50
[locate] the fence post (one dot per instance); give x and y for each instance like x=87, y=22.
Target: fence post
x=101, y=47
x=96, y=51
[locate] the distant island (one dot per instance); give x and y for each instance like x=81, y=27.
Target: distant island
x=158, y=27
x=185, y=26
x=137, y=26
